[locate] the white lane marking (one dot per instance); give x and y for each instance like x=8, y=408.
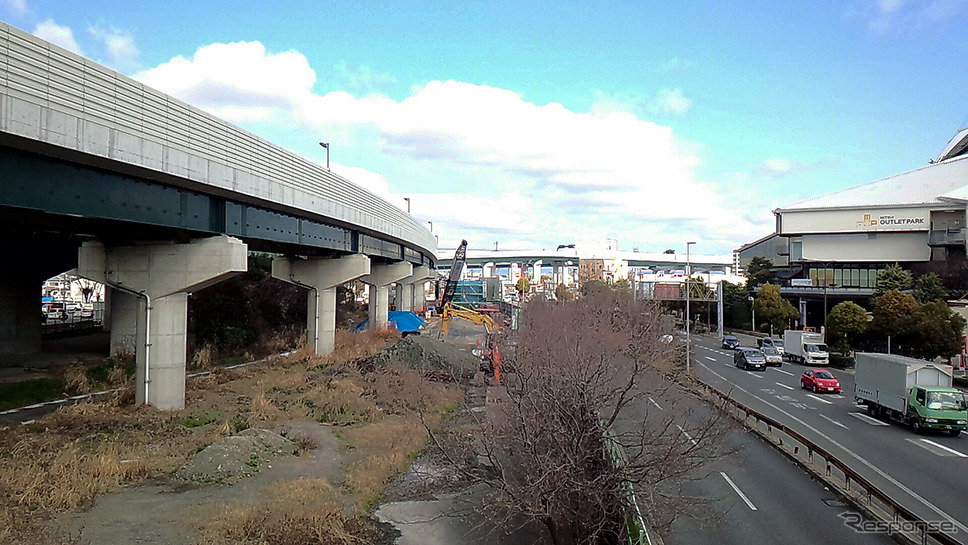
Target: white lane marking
x=833, y=421
x=942, y=447
x=652, y=401
x=689, y=437
x=710, y=359
x=738, y=491
x=820, y=399
x=754, y=374
x=785, y=386
x=870, y=420
x=857, y=457
x=784, y=372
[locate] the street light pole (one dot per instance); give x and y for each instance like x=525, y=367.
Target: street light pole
x=825, y=302
x=688, y=276
x=326, y=145
x=431, y=226
x=753, y=311
x=408, y=204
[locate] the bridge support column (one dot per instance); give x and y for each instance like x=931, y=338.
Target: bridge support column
x=408, y=288
x=379, y=279
x=20, y=314
x=321, y=276
x=159, y=277
x=122, y=321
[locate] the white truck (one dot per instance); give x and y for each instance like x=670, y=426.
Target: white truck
x=911, y=391
x=806, y=347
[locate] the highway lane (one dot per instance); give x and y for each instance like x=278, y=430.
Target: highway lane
x=758, y=496
x=739, y=501
x=929, y=474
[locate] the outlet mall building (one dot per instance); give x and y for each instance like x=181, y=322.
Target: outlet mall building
x=830, y=248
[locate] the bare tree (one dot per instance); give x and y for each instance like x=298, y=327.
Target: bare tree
x=580, y=376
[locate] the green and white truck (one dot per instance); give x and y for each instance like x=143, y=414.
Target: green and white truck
x=916, y=392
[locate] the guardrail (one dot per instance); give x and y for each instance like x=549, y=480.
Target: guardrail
x=854, y=485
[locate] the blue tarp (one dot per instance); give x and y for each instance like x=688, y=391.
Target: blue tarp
x=401, y=320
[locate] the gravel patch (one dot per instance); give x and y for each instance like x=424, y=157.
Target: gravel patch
x=236, y=456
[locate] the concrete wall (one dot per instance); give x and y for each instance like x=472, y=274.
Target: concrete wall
x=883, y=247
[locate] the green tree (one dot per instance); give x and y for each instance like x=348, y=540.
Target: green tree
x=594, y=287
x=758, y=272
x=523, y=285
x=736, y=305
x=562, y=293
x=773, y=310
x=846, y=321
x=934, y=330
x=891, y=311
x=893, y=278
x=622, y=288
x=928, y=288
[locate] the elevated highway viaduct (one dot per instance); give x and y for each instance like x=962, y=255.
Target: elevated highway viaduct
x=155, y=199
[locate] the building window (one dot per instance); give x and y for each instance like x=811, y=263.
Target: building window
x=839, y=277
x=855, y=278
x=796, y=249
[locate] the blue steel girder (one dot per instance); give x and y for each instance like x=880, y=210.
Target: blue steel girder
x=31, y=182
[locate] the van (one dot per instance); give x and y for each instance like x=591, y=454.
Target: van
x=770, y=341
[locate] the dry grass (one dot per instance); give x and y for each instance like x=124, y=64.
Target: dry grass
x=301, y=512
x=383, y=451
x=75, y=380
x=203, y=358
x=65, y=460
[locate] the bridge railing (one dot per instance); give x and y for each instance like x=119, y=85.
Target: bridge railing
x=55, y=97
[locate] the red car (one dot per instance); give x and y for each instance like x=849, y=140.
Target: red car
x=819, y=380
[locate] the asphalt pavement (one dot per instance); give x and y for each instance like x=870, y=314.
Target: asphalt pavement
x=927, y=474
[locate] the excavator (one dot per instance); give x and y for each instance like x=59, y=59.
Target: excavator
x=448, y=311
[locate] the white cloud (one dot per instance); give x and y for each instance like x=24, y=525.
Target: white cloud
x=121, y=51
x=237, y=81
x=885, y=16
x=18, y=7
x=778, y=165
x=670, y=102
x=361, y=78
x=485, y=160
x=57, y=35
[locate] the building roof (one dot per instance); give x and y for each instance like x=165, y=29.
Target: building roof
x=935, y=184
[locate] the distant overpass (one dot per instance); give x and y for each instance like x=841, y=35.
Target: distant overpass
x=571, y=257
x=156, y=199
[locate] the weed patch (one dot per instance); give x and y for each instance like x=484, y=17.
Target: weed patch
x=15, y=394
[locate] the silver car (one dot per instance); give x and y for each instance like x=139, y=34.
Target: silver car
x=772, y=355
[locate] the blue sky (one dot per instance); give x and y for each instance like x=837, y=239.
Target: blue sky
x=536, y=124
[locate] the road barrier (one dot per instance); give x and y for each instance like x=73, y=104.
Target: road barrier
x=897, y=518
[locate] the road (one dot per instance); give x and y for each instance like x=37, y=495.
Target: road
x=752, y=496
x=927, y=474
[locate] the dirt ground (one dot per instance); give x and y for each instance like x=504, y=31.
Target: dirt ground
x=272, y=453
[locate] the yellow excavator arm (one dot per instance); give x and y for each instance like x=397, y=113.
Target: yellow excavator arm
x=450, y=311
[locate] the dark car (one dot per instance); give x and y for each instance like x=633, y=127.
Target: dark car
x=730, y=342
x=749, y=358
x=820, y=380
